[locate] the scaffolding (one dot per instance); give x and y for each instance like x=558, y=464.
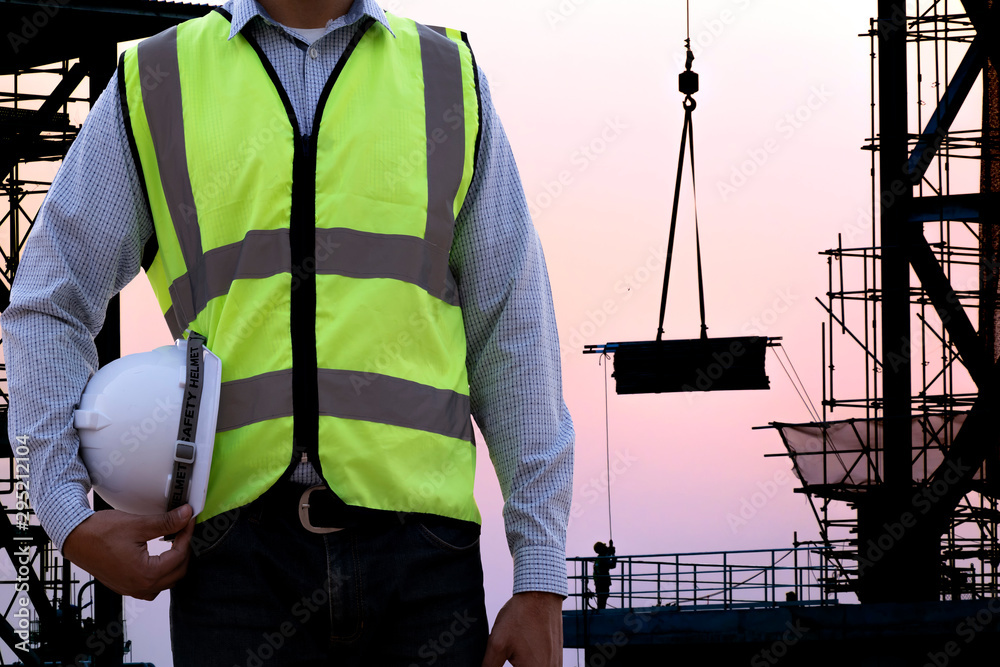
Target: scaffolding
x=940, y=217
x=35, y=133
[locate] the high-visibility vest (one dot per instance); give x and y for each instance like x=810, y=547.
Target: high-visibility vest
x=317, y=267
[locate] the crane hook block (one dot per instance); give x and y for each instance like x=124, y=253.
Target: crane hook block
x=688, y=82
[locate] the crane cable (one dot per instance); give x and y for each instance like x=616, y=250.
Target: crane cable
x=607, y=441
x=688, y=85
x=688, y=15
x=803, y=393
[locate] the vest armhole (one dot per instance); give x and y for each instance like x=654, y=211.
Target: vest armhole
x=152, y=246
x=479, y=103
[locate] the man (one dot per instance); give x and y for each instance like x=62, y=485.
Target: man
x=400, y=583
x=603, y=564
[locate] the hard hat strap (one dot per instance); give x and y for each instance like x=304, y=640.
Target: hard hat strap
x=184, y=449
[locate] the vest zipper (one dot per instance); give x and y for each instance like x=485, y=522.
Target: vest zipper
x=302, y=239
x=305, y=370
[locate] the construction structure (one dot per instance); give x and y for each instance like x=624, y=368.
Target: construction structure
x=916, y=440
x=55, y=59
x=902, y=462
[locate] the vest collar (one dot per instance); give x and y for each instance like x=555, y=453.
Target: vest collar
x=243, y=11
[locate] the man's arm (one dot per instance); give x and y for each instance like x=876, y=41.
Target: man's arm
x=516, y=392
x=85, y=246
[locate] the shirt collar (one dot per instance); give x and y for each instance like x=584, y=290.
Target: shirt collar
x=244, y=10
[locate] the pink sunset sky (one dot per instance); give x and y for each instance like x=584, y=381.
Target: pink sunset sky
x=587, y=91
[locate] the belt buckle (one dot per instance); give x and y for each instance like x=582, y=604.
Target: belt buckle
x=304, y=512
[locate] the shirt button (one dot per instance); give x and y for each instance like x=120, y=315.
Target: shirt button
x=313, y=52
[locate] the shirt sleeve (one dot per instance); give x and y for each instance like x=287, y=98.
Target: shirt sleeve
x=513, y=360
x=85, y=246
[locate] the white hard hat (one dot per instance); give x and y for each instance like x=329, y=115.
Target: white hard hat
x=147, y=427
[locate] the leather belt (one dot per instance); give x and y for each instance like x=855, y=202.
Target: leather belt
x=316, y=506
x=321, y=511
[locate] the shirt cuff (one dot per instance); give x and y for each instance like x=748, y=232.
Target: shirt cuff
x=62, y=512
x=539, y=568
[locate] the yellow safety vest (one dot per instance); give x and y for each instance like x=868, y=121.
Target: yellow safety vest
x=317, y=267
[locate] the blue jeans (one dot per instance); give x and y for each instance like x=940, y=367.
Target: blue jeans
x=261, y=590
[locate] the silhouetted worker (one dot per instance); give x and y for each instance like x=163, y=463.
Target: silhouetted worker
x=603, y=564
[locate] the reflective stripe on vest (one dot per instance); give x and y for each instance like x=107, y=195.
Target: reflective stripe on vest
x=317, y=266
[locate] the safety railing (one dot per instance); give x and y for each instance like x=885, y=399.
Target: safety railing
x=708, y=580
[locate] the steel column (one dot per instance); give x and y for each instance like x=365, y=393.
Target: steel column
x=108, y=605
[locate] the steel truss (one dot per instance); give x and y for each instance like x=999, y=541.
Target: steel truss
x=909, y=349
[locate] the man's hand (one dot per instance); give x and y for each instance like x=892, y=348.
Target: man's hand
x=111, y=546
x=527, y=632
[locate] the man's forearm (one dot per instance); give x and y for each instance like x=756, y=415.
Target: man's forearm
x=513, y=361
x=46, y=374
